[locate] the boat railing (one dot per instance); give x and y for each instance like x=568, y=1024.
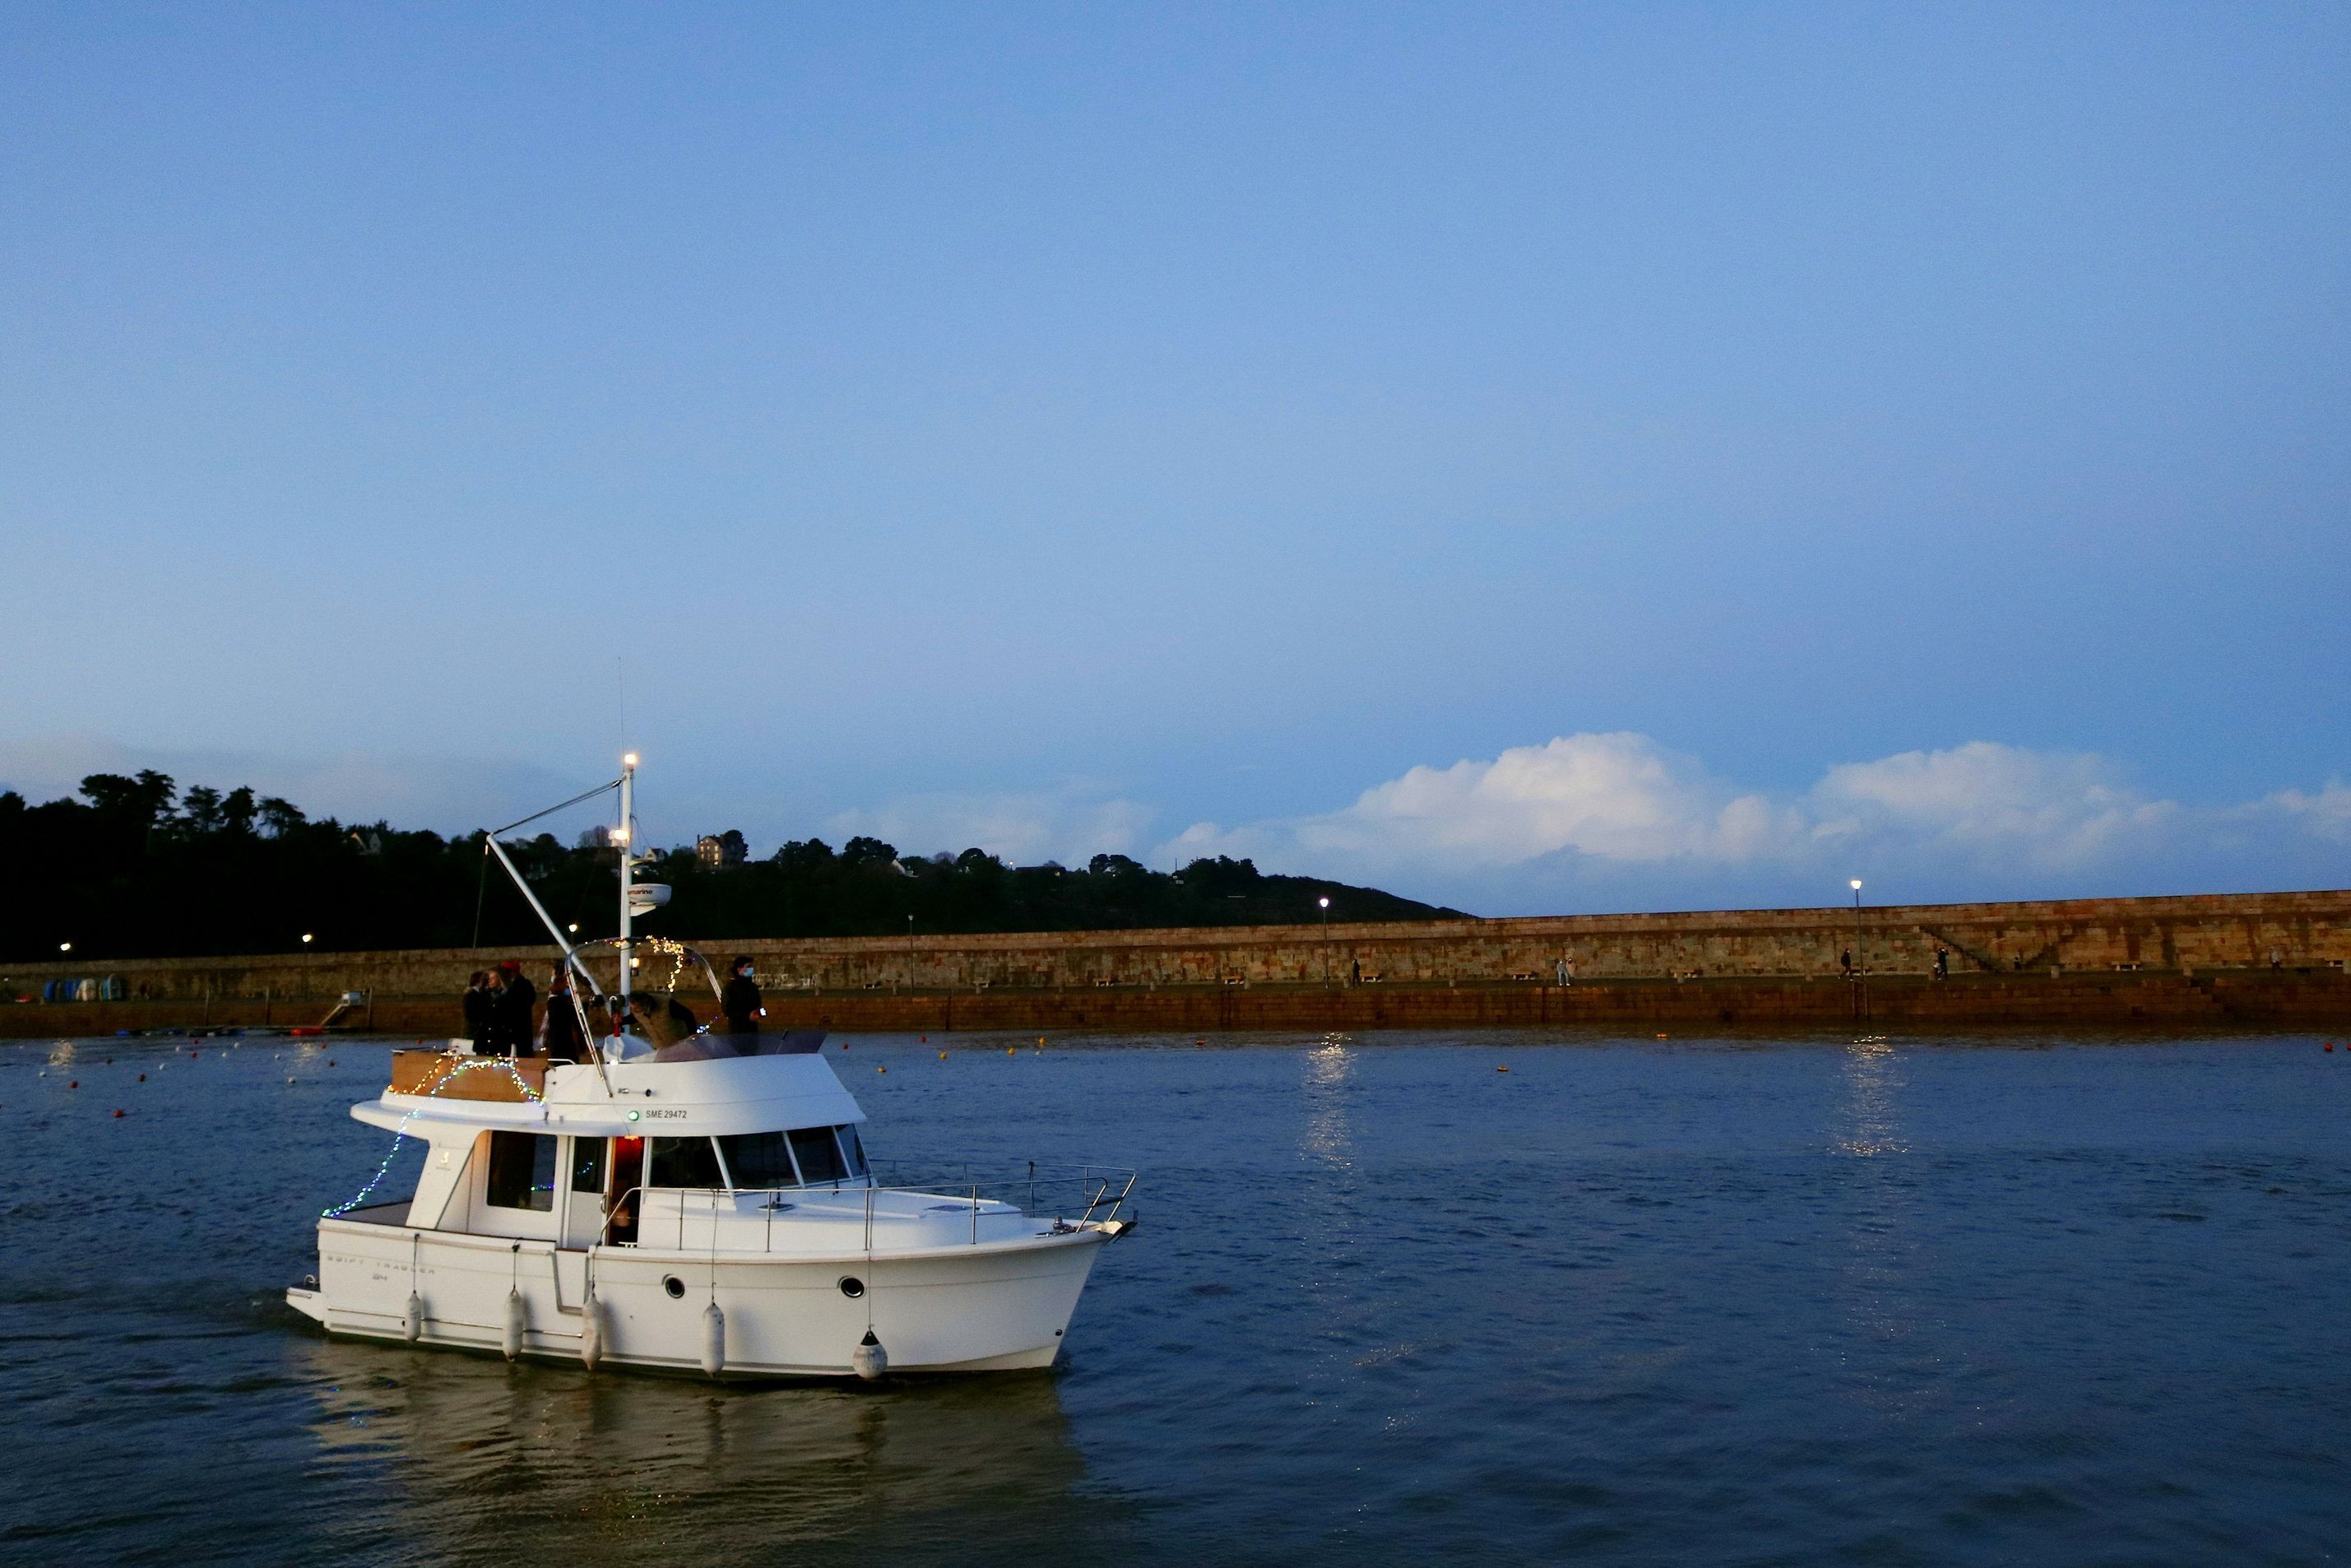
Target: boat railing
x=1091, y=1194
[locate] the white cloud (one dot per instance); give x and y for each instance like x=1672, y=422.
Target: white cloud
x=2058, y=808
x=2326, y=815
x=1617, y=817
x=1616, y=797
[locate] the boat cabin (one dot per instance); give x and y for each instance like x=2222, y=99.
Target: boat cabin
x=756, y=1150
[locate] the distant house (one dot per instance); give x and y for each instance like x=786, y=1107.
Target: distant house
x=721, y=851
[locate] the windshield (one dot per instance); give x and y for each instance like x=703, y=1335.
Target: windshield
x=805, y=1157
x=758, y=1160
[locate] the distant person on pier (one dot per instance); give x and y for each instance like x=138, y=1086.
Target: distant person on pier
x=559, y=1038
x=477, y=1012
x=1942, y=964
x=1355, y=972
x=1566, y=971
x=1844, y=963
x=515, y=999
x=740, y=1001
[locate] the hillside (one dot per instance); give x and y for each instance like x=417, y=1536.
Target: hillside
x=135, y=869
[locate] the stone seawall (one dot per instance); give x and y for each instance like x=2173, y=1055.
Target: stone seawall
x=2186, y=959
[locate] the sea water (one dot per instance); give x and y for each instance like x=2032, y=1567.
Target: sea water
x=1959, y=1299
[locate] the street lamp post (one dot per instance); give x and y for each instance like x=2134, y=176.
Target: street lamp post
x=1860, y=960
x=1325, y=902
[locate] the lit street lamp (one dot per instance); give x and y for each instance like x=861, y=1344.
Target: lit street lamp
x=1860, y=960
x=1325, y=902
x=65, y=947
x=305, y=938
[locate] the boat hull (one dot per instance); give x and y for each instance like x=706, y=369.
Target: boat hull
x=993, y=1307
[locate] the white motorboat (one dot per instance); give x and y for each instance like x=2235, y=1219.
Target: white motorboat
x=704, y=1204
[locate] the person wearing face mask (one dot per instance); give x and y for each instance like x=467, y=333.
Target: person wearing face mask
x=740, y=1001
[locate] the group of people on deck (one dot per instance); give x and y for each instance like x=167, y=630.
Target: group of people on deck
x=501, y=1010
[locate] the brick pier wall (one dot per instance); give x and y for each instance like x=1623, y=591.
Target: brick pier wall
x=2186, y=959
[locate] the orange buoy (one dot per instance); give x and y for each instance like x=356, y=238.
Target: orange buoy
x=1502, y=1070
x=118, y=1115
x=880, y=1070
x=143, y=1077
x=73, y=1082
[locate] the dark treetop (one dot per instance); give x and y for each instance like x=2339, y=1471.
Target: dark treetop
x=135, y=869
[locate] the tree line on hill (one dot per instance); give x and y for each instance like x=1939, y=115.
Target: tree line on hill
x=136, y=868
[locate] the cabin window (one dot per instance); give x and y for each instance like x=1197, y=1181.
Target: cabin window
x=819, y=1159
x=683, y=1162
x=522, y=1171
x=588, y=1165
x=851, y=1150
x=758, y=1160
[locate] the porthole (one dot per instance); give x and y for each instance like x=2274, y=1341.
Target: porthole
x=852, y=1286
x=674, y=1285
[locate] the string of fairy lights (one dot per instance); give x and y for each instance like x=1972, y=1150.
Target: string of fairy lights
x=399, y=1135
x=676, y=952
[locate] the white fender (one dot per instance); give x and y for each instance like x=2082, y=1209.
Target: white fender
x=869, y=1360
x=412, y=1326
x=512, y=1342
x=714, y=1338
x=591, y=1331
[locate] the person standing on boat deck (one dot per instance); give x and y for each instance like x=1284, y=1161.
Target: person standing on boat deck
x=492, y=1040
x=477, y=1012
x=511, y=1011
x=740, y=1001
x=559, y=1033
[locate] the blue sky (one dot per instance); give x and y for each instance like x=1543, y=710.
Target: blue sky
x=1074, y=428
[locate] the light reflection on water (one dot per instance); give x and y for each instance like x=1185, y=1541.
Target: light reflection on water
x=475, y=1455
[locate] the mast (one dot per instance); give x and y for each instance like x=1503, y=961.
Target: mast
x=625, y=836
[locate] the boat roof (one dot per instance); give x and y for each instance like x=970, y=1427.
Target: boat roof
x=715, y=1097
